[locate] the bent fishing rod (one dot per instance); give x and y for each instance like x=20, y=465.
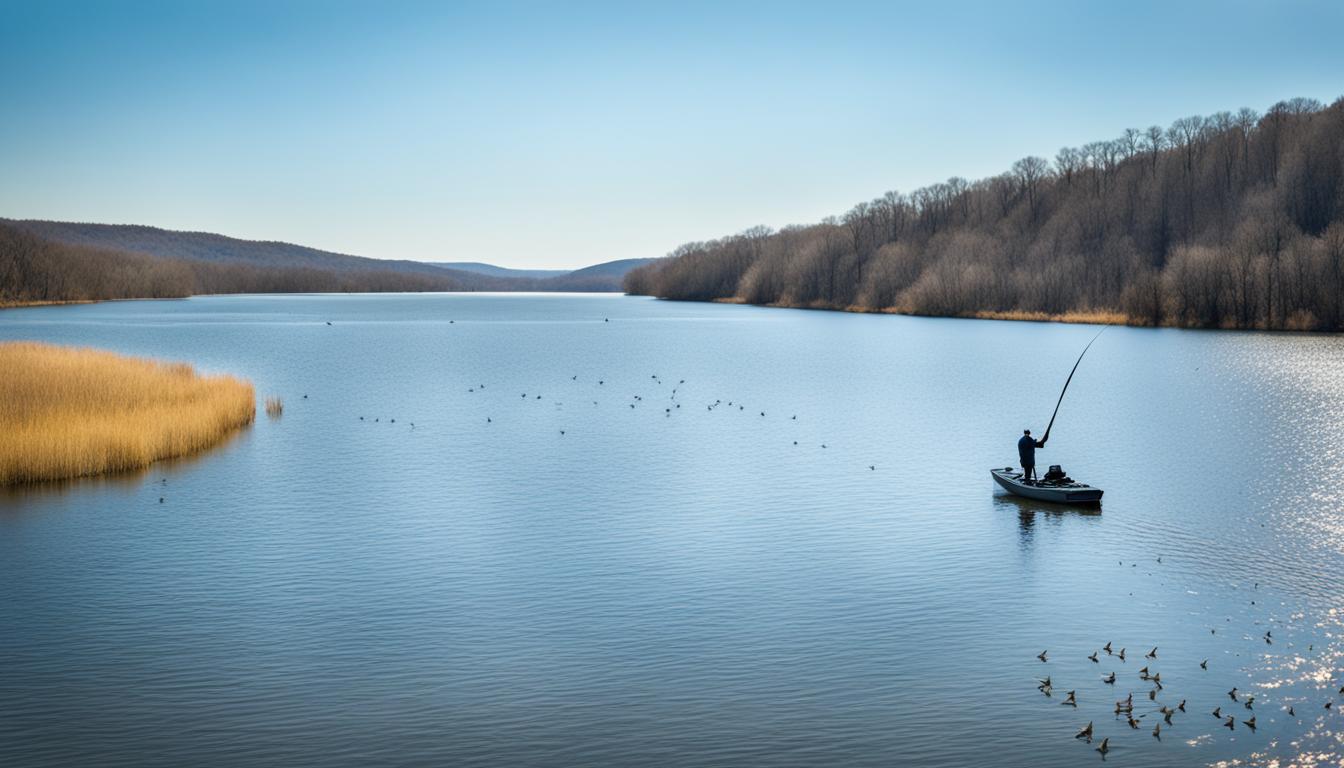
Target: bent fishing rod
x=1046, y=436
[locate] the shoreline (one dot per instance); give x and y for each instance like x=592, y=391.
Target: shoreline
x=50, y=303
x=1099, y=317
x=1095, y=317
x=64, y=302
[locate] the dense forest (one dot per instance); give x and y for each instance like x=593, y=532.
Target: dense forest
x=55, y=261
x=1235, y=220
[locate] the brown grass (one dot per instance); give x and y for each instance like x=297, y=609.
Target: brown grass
x=1098, y=317
x=69, y=412
x=1092, y=317
x=274, y=407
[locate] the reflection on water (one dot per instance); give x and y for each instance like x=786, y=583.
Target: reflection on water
x=582, y=554
x=1029, y=510
x=12, y=497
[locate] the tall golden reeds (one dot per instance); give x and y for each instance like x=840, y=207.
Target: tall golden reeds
x=274, y=407
x=71, y=412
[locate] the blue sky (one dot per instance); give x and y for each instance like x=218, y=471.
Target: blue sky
x=558, y=135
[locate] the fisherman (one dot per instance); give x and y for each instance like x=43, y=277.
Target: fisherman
x=1026, y=451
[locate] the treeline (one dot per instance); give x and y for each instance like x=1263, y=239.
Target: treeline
x=34, y=269
x=1234, y=220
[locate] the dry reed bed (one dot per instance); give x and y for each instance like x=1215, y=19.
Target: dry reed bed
x=71, y=412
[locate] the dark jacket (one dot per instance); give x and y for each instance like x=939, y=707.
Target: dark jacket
x=1026, y=450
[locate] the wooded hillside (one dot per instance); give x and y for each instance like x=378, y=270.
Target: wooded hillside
x=34, y=269
x=54, y=261
x=1233, y=220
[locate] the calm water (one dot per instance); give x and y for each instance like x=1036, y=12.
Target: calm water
x=671, y=583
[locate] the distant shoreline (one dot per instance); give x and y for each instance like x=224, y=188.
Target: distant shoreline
x=58, y=303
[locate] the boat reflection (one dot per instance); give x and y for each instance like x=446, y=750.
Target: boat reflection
x=1029, y=507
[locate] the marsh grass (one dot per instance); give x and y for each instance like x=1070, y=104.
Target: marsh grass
x=274, y=407
x=1092, y=317
x=72, y=412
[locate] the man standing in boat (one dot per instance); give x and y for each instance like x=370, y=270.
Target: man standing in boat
x=1026, y=451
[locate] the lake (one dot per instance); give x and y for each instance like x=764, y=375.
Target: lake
x=603, y=530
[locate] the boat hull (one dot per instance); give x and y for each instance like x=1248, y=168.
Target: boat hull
x=1072, y=493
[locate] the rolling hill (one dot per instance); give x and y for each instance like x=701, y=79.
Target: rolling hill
x=39, y=261
x=491, y=270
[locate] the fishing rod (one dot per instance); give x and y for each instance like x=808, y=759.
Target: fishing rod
x=1066, y=385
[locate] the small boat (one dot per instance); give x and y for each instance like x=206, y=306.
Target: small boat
x=1054, y=486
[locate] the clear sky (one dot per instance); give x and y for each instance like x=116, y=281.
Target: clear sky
x=562, y=134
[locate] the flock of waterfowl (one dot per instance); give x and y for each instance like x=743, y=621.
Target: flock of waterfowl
x=1156, y=702
x=1125, y=707
x=671, y=405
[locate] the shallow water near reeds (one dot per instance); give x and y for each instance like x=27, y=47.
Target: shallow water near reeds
x=678, y=582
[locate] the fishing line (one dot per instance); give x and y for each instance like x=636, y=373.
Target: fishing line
x=1066, y=384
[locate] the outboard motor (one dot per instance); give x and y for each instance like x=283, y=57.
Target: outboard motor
x=1056, y=475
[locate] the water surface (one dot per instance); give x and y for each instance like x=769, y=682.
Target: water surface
x=800, y=558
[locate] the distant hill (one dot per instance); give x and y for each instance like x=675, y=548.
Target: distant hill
x=39, y=270
x=43, y=261
x=219, y=249
x=481, y=268
x=608, y=276
x=616, y=269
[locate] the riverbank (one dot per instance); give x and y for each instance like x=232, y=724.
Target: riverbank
x=23, y=304
x=1096, y=317
x=72, y=412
